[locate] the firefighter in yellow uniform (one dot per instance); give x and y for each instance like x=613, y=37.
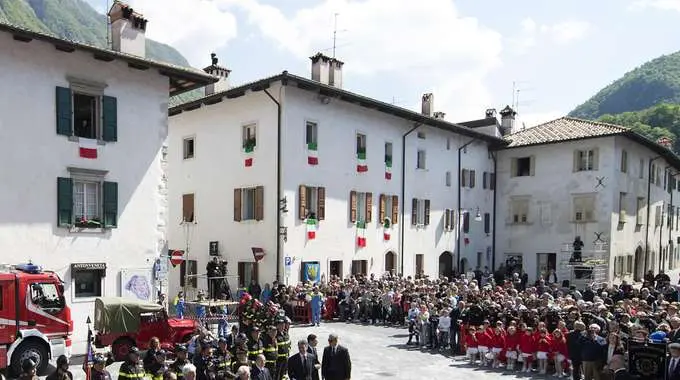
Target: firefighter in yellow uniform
x=254, y=345
x=270, y=349
x=131, y=368
x=283, y=348
x=180, y=362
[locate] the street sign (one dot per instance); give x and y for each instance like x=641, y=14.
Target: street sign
x=176, y=257
x=288, y=261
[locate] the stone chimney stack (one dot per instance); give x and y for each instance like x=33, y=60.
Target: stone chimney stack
x=439, y=115
x=128, y=30
x=219, y=71
x=428, y=104
x=507, y=120
x=327, y=70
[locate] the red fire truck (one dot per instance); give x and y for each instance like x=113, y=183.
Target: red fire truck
x=35, y=321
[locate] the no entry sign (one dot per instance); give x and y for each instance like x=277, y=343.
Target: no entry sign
x=176, y=257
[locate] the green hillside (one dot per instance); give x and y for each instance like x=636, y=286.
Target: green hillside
x=74, y=20
x=662, y=120
x=655, y=82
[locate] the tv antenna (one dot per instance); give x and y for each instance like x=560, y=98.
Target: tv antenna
x=335, y=32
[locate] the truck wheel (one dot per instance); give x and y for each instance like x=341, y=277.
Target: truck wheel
x=120, y=348
x=28, y=350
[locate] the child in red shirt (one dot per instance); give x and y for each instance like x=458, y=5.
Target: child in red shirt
x=497, y=343
x=558, y=348
x=526, y=347
x=511, y=347
x=484, y=341
x=543, y=344
x=472, y=344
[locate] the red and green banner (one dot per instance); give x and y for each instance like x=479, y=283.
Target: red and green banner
x=248, y=148
x=312, y=157
x=361, y=234
x=362, y=167
x=312, y=225
x=387, y=229
x=388, y=168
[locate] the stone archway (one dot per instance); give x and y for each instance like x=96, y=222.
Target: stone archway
x=390, y=262
x=446, y=264
x=639, y=270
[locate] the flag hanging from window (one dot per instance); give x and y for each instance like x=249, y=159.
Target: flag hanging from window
x=386, y=229
x=248, y=149
x=312, y=157
x=388, y=169
x=361, y=234
x=311, y=228
x=362, y=167
x=88, y=148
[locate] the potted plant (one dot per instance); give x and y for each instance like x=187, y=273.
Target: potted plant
x=83, y=222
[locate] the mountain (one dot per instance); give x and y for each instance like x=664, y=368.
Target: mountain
x=74, y=20
x=653, y=83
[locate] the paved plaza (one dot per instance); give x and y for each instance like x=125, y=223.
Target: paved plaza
x=377, y=353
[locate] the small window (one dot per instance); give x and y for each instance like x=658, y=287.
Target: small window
x=421, y=135
x=519, y=208
x=641, y=172
x=487, y=223
x=361, y=143
x=420, y=212
x=523, y=167
x=492, y=181
x=85, y=115
x=629, y=264
x=473, y=178
x=188, y=148
x=466, y=222
x=639, y=216
x=188, y=208
x=448, y=179
x=248, y=204
x=448, y=143
x=388, y=152
x=312, y=202
x=657, y=216
x=312, y=134
x=421, y=159
x=622, y=207
x=87, y=283
x=585, y=160
x=249, y=138
x=584, y=206
x=247, y=272
x=361, y=207
x=87, y=200
x=624, y=161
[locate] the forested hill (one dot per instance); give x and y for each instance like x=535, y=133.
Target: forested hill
x=74, y=20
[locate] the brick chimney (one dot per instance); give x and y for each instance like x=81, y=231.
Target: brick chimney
x=428, y=104
x=507, y=120
x=327, y=70
x=219, y=71
x=128, y=29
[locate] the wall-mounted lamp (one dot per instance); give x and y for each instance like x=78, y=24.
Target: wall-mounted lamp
x=478, y=216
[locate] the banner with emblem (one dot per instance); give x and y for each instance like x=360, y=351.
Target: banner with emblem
x=312, y=272
x=647, y=360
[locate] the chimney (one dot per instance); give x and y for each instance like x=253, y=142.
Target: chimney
x=439, y=115
x=327, y=70
x=507, y=120
x=128, y=29
x=428, y=104
x=491, y=112
x=219, y=71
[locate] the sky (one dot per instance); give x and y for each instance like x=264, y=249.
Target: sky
x=544, y=56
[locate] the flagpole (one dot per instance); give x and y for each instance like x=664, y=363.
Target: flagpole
x=88, y=356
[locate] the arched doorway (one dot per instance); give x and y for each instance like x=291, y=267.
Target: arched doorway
x=639, y=270
x=463, y=266
x=446, y=264
x=390, y=262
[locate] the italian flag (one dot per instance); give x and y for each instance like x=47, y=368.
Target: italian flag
x=361, y=162
x=361, y=234
x=386, y=231
x=312, y=157
x=311, y=228
x=388, y=169
x=88, y=148
x=249, y=155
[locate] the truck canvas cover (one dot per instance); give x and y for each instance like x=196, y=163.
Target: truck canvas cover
x=120, y=315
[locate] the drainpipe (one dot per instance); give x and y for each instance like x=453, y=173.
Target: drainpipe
x=403, y=193
x=493, y=225
x=667, y=184
x=459, y=227
x=649, y=190
x=278, y=178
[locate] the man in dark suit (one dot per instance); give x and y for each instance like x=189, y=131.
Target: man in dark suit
x=673, y=368
x=618, y=366
x=259, y=371
x=312, y=342
x=336, y=364
x=302, y=365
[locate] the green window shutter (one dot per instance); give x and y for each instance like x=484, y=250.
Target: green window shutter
x=64, y=111
x=110, y=203
x=64, y=202
x=110, y=127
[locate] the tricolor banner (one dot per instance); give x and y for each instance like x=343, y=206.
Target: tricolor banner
x=361, y=234
x=248, y=149
x=361, y=162
x=386, y=229
x=311, y=228
x=88, y=148
x=312, y=157
x=388, y=169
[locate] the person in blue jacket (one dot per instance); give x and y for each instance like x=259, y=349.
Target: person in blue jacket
x=316, y=304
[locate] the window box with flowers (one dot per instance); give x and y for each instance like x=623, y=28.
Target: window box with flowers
x=83, y=222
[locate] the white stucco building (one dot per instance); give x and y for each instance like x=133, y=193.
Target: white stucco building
x=321, y=153
x=611, y=187
x=83, y=189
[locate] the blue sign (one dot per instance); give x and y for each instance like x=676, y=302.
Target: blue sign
x=312, y=272
x=288, y=261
